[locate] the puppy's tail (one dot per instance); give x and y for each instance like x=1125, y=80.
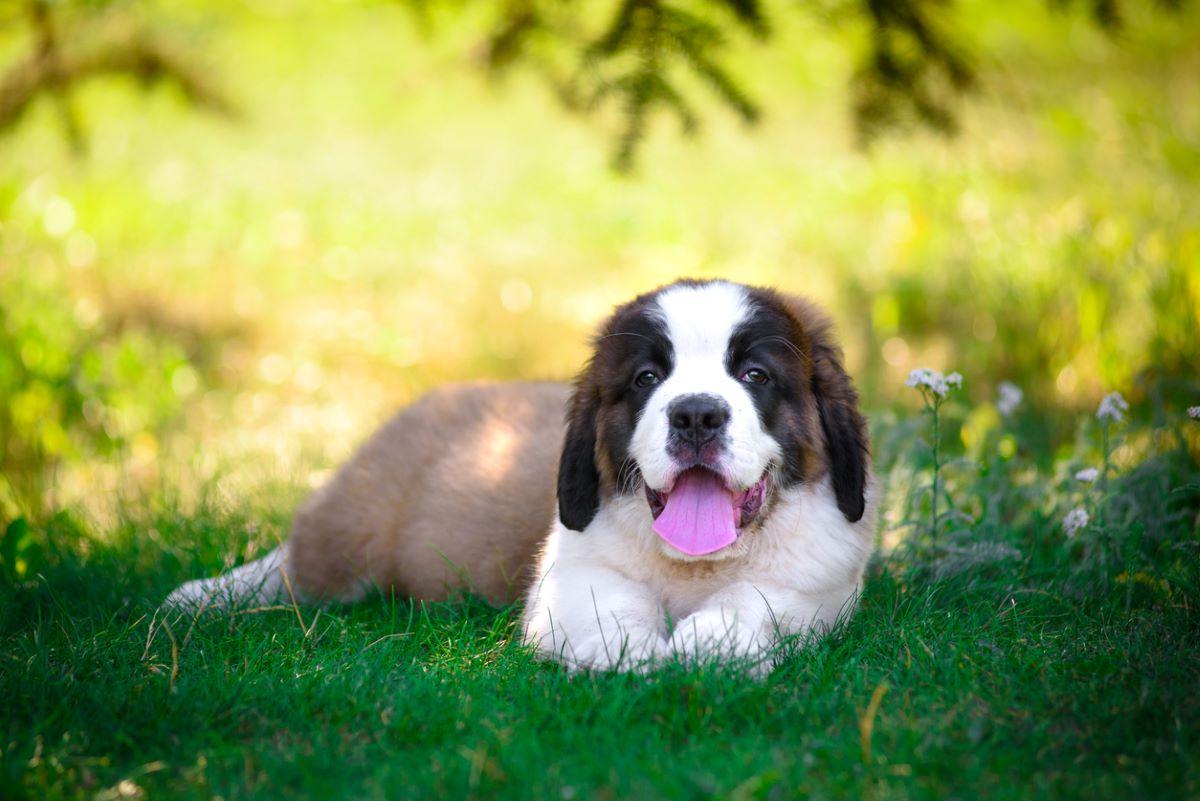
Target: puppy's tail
x=261, y=582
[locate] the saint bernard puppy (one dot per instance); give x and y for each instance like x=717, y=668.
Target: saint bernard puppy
x=714, y=492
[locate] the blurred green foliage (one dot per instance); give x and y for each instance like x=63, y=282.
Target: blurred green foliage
x=204, y=302
x=914, y=58
x=72, y=389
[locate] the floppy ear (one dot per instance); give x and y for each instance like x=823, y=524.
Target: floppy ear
x=578, y=475
x=844, y=428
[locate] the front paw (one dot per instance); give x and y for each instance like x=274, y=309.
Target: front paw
x=632, y=652
x=715, y=634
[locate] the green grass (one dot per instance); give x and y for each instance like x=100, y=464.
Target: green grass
x=1063, y=668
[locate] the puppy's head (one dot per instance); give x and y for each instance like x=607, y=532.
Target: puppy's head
x=709, y=399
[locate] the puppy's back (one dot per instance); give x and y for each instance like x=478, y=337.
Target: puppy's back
x=455, y=491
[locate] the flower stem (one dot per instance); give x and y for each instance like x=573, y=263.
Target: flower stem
x=933, y=529
x=1103, y=473
x=1104, y=448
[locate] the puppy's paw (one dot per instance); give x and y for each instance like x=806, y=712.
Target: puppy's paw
x=639, y=652
x=257, y=582
x=711, y=635
x=194, y=596
x=704, y=635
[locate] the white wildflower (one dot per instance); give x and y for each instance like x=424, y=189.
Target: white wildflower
x=1088, y=475
x=1112, y=407
x=1075, y=520
x=920, y=377
x=1194, y=412
x=1010, y=398
x=923, y=378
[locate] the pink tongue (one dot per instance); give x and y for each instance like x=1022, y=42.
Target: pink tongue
x=698, y=517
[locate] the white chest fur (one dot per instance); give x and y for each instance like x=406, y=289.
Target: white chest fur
x=616, y=595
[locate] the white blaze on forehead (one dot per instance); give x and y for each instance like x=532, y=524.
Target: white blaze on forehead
x=699, y=321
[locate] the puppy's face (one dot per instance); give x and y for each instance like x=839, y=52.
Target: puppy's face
x=708, y=399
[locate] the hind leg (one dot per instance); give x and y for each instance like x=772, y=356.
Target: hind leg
x=334, y=554
x=273, y=579
x=338, y=551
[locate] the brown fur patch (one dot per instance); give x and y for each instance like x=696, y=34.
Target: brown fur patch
x=456, y=490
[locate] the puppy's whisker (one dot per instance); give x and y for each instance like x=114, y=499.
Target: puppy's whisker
x=786, y=343
x=626, y=474
x=623, y=334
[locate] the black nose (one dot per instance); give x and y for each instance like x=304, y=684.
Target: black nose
x=697, y=418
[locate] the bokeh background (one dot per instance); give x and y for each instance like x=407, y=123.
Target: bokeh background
x=201, y=304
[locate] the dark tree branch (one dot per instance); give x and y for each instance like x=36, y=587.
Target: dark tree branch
x=57, y=64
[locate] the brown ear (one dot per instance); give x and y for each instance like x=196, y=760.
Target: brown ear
x=842, y=425
x=578, y=474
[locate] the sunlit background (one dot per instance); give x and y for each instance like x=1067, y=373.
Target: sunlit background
x=198, y=303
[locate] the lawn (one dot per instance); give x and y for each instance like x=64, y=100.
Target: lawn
x=202, y=317
x=1040, y=666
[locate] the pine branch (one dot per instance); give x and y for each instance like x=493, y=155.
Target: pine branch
x=750, y=14
x=137, y=55
x=619, y=32
x=508, y=42
x=913, y=73
x=661, y=38
x=721, y=83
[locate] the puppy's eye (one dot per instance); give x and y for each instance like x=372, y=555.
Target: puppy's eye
x=646, y=378
x=755, y=376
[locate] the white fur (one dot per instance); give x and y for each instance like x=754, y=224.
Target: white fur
x=262, y=582
x=609, y=598
x=254, y=583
